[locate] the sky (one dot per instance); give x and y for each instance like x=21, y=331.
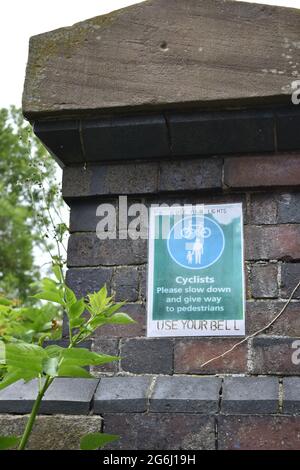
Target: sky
x=20, y=19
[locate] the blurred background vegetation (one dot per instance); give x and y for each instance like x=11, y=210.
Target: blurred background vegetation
x=29, y=198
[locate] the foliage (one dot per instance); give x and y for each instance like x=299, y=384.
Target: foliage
x=27, y=184
x=27, y=356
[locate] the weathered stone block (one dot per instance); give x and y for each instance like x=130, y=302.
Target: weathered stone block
x=68, y=396
x=259, y=432
x=87, y=250
x=190, y=354
x=186, y=395
x=122, y=395
x=147, y=355
x=263, y=280
x=52, y=432
x=161, y=431
x=250, y=395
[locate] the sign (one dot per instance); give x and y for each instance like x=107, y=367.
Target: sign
x=196, y=271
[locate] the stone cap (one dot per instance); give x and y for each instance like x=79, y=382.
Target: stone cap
x=162, y=53
x=208, y=395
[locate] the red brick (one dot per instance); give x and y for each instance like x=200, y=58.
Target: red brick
x=273, y=355
x=262, y=171
x=259, y=432
x=272, y=242
x=191, y=353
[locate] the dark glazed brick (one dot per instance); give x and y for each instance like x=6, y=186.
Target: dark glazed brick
x=290, y=277
x=191, y=175
x=263, y=279
x=272, y=242
x=186, y=395
x=108, y=346
x=291, y=394
x=251, y=395
x=262, y=171
x=122, y=395
x=289, y=208
x=147, y=356
x=126, y=284
x=125, y=138
x=84, y=281
x=87, y=250
x=259, y=432
x=260, y=313
x=161, y=431
x=288, y=125
x=190, y=354
x=273, y=355
x=220, y=133
x=62, y=138
x=110, y=179
x=263, y=209
x=84, y=216
x=138, y=312
x=65, y=396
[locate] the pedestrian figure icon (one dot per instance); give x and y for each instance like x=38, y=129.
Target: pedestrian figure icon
x=200, y=242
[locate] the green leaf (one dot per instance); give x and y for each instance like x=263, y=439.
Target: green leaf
x=49, y=295
x=76, y=322
x=50, y=366
x=70, y=296
x=25, y=356
x=77, y=308
x=84, y=357
x=67, y=370
x=57, y=272
x=49, y=285
x=120, y=319
x=7, y=442
x=98, y=300
x=96, y=440
x=14, y=375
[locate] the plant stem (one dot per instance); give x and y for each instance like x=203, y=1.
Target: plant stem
x=34, y=411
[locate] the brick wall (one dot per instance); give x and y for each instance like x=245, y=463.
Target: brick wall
x=266, y=184
x=158, y=396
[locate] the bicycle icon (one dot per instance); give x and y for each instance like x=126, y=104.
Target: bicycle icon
x=195, y=231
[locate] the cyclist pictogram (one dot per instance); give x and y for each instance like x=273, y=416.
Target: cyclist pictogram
x=196, y=243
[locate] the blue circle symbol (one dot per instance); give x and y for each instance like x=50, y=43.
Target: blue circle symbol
x=196, y=243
